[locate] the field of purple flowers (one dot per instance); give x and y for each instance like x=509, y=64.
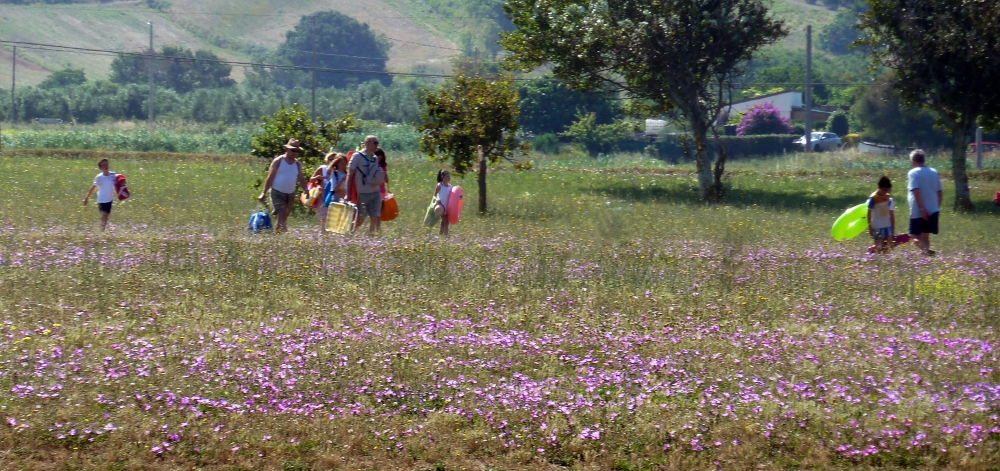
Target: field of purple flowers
x=597, y=320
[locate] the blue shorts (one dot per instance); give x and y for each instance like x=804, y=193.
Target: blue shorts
x=882, y=233
x=920, y=226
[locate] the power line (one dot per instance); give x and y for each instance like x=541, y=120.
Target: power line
x=260, y=15
x=160, y=57
x=256, y=15
x=106, y=53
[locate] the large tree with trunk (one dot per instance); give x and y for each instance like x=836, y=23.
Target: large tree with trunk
x=680, y=56
x=470, y=121
x=943, y=53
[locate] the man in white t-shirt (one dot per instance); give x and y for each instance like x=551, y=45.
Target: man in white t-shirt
x=104, y=183
x=925, y=201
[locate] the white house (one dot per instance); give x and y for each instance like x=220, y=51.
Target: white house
x=784, y=101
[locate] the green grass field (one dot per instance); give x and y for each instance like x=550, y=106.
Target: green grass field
x=599, y=317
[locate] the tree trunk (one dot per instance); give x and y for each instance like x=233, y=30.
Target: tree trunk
x=720, y=168
x=963, y=199
x=703, y=162
x=482, y=182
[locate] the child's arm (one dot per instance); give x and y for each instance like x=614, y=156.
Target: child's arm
x=87, y=198
x=892, y=217
x=871, y=231
x=436, y=190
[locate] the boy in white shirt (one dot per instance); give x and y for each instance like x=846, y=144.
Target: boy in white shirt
x=882, y=216
x=104, y=183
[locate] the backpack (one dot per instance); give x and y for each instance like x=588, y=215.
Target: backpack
x=371, y=177
x=259, y=221
x=121, y=189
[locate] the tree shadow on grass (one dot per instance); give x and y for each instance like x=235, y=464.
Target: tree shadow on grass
x=777, y=200
x=793, y=200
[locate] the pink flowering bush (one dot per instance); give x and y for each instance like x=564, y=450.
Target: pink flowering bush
x=763, y=118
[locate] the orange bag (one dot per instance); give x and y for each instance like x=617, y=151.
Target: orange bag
x=389, y=208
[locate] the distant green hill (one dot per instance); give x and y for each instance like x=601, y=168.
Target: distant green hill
x=424, y=34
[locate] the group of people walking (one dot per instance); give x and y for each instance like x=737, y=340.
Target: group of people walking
x=360, y=177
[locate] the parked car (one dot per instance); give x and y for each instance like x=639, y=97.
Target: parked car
x=820, y=141
x=987, y=147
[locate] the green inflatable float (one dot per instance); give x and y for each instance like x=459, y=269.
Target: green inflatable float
x=853, y=222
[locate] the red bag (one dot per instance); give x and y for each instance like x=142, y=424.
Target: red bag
x=996, y=199
x=121, y=189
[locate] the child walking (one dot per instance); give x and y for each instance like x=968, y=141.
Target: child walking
x=882, y=217
x=441, y=194
x=104, y=183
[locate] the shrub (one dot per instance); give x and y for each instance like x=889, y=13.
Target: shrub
x=763, y=118
x=546, y=143
x=315, y=138
x=851, y=140
x=838, y=123
x=598, y=138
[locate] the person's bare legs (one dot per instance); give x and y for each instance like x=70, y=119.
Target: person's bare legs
x=374, y=225
x=104, y=220
x=282, y=221
x=925, y=243
x=444, y=225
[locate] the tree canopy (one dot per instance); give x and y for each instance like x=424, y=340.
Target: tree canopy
x=679, y=55
x=176, y=68
x=548, y=105
x=837, y=36
x=316, y=138
x=64, y=78
x=943, y=55
x=340, y=42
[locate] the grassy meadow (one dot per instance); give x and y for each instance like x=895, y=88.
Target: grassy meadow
x=599, y=318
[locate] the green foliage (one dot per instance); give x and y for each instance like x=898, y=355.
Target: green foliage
x=391, y=138
x=944, y=58
x=833, y=4
x=884, y=119
x=467, y=112
x=92, y=102
x=735, y=119
x=838, y=123
x=176, y=68
x=64, y=78
x=546, y=143
x=293, y=122
x=599, y=138
x=339, y=42
x=680, y=55
x=548, y=105
x=837, y=36
x=229, y=141
x=468, y=115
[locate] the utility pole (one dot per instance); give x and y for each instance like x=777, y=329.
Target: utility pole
x=152, y=67
x=13, y=86
x=809, y=104
x=313, y=34
x=979, y=148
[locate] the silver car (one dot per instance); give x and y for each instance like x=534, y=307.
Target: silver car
x=820, y=141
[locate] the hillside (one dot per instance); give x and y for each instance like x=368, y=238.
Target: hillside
x=424, y=33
